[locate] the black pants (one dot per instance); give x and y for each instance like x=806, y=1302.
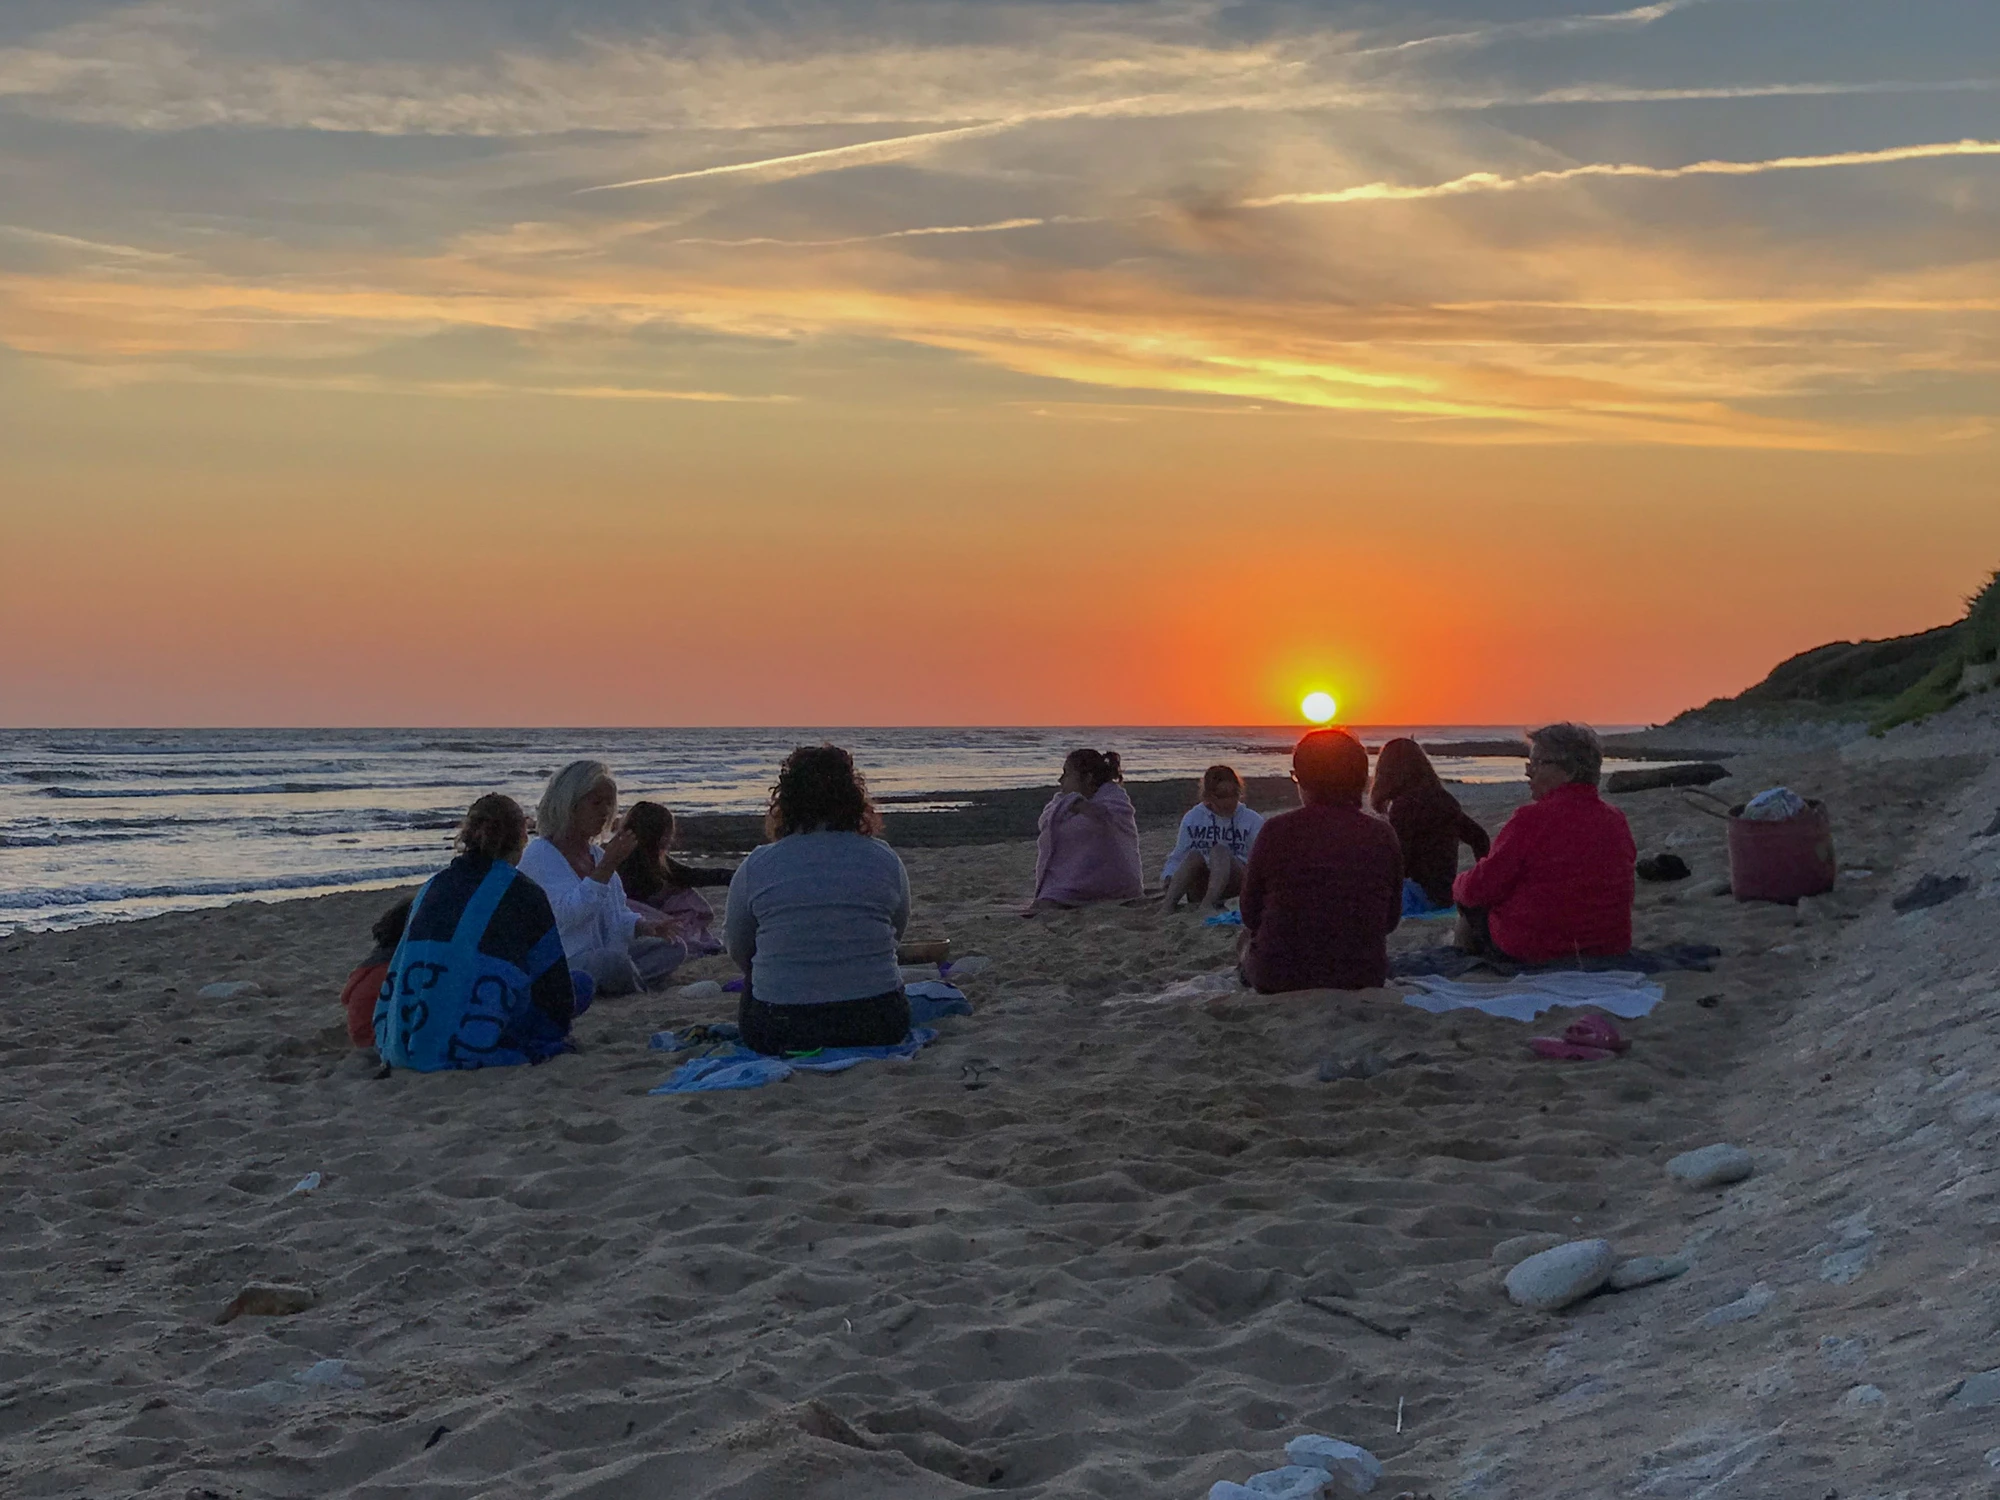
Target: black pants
x=1483, y=946
x=875, y=1021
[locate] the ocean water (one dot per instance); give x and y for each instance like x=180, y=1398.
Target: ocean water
x=107, y=825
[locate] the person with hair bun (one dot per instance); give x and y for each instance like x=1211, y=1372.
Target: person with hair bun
x=1087, y=839
x=478, y=978
x=1325, y=885
x=620, y=950
x=814, y=916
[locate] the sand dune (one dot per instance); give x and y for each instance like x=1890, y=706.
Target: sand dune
x=1081, y=1277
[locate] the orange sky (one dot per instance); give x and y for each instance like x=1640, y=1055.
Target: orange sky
x=1095, y=366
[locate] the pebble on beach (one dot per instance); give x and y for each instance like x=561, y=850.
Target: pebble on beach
x=1555, y=1278
x=1353, y=1466
x=1712, y=1166
x=1294, y=1482
x=1982, y=1389
x=231, y=989
x=265, y=1300
x=1510, y=1253
x=1644, y=1270
x=1742, y=1310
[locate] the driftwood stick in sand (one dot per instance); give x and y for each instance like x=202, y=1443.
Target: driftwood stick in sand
x=1388, y=1331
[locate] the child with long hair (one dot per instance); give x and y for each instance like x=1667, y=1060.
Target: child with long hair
x=1428, y=821
x=660, y=887
x=1213, y=848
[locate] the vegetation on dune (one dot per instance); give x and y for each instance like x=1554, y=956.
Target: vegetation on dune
x=1881, y=683
x=1975, y=643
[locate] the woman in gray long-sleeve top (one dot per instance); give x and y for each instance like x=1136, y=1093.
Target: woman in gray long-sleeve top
x=814, y=915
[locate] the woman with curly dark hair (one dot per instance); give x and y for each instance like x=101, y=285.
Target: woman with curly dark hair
x=814, y=915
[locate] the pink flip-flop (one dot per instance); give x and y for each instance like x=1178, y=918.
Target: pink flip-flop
x=1568, y=1051
x=1596, y=1031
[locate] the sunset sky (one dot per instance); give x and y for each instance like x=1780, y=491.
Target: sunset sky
x=489, y=362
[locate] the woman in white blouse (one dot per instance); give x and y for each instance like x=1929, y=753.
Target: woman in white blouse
x=601, y=934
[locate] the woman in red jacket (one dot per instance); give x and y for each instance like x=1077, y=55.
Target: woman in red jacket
x=1560, y=878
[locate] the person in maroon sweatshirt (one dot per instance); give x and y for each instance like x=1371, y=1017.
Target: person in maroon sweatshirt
x=1561, y=875
x=1324, y=887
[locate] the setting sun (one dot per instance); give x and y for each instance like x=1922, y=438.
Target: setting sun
x=1319, y=708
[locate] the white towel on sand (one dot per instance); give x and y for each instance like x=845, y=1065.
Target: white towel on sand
x=1526, y=996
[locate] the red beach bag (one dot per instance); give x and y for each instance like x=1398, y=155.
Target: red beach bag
x=1781, y=861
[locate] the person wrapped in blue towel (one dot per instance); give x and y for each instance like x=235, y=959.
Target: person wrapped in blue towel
x=479, y=979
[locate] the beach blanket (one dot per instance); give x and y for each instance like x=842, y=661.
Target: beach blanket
x=479, y=979
x=1088, y=855
x=737, y=1067
x=930, y=1000
x=1522, y=998
x=1452, y=963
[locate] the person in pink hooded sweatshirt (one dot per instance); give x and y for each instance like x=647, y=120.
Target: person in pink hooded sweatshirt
x=1087, y=846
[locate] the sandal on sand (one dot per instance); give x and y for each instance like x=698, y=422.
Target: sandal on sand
x=1592, y=1039
x=1596, y=1031
x=1562, y=1051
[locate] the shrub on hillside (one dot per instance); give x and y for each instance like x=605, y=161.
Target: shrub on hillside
x=1976, y=641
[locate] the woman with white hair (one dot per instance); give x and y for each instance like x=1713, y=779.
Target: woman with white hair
x=1558, y=882
x=601, y=935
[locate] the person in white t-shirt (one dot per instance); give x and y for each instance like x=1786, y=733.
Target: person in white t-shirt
x=1213, y=850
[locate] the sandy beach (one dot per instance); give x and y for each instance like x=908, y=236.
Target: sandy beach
x=1061, y=1253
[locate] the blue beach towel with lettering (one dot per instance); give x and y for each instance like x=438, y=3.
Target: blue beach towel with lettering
x=479, y=979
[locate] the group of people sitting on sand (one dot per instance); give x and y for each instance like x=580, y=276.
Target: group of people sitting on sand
x=494, y=958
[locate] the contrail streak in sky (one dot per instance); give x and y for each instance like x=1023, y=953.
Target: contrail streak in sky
x=1493, y=182
x=996, y=227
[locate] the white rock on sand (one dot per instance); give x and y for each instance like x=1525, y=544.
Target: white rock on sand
x=1293, y=1482
x=1349, y=1463
x=1712, y=1166
x=1644, y=1270
x=1750, y=1305
x=1555, y=1278
x=1510, y=1253
x=231, y=989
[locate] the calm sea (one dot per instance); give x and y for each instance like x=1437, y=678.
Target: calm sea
x=105, y=825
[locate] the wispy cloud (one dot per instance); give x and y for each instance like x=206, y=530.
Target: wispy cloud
x=1536, y=28
x=1493, y=182
x=831, y=158
x=1159, y=126
x=83, y=246
x=93, y=375
x=998, y=226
